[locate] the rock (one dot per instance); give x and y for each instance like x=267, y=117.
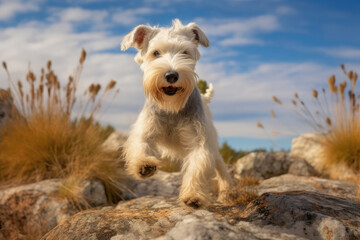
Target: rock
x=301, y=167
x=290, y=182
x=32, y=207
x=161, y=184
x=37, y=208
x=149, y=202
x=115, y=141
x=308, y=147
x=306, y=214
x=288, y=215
x=263, y=165
x=94, y=193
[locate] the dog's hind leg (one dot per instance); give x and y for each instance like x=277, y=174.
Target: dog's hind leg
x=224, y=180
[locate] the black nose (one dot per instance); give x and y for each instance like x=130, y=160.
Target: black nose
x=171, y=76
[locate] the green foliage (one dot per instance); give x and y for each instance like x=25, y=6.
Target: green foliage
x=230, y=155
x=202, y=85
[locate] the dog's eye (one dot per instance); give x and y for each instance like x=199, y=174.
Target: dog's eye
x=156, y=53
x=185, y=52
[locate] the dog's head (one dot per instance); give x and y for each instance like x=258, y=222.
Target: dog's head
x=168, y=57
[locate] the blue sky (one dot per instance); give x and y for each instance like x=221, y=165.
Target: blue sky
x=257, y=49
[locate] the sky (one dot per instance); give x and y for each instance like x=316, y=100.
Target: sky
x=258, y=49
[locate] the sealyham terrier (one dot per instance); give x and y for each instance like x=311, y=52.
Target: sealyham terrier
x=175, y=127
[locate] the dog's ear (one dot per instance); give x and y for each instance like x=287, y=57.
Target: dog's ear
x=200, y=36
x=138, y=37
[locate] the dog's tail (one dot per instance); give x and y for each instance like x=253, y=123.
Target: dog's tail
x=207, y=96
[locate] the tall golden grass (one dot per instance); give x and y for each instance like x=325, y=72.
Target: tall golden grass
x=335, y=114
x=53, y=134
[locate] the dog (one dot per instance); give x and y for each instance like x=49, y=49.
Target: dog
x=175, y=127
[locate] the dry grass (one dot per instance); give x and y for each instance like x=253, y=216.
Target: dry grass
x=334, y=114
x=47, y=138
x=244, y=194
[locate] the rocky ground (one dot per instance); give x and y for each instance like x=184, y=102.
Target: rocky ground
x=294, y=202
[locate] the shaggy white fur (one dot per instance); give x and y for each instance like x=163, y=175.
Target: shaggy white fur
x=175, y=125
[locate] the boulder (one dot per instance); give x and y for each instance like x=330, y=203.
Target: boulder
x=115, y=141
x=301, y=167
x=288, y=215
x=308, y=147
x=306, y=214
x=94, y=193
x=288, y=182
x=263, y=165
x=34, y=209
x=161, y=184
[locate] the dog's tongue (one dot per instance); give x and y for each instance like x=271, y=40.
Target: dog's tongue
x=170, y=88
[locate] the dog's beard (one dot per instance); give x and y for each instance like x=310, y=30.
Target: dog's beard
x=169, y=97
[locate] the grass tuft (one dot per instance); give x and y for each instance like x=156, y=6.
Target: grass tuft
x=48, y=138
x=335, y=115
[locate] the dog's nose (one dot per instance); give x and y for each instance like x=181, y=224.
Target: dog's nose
x=171, y=76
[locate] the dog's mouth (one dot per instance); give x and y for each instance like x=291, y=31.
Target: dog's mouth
x=170, y=90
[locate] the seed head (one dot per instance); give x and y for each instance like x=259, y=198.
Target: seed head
x=350, y=75
x=110, y=85
x=296, y=95
x=342, y=66
x=294, y=102
x=331, y=82
x=314, y=93
x=328, y=121
x=49, y=65
x=83, y=56
x=277, y=100
x=259, y=125
x=4, y=65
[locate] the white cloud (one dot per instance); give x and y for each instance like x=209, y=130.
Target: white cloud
x=239, y=31
x=131, y=16
x=82, y=15
x=342, y=52
x=9, y=8
x=246, y=97
x=36, y=42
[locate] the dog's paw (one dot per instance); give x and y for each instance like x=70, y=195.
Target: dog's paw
x=194, y=202
x=147, y=170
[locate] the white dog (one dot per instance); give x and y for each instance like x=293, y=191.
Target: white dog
x=175, y=126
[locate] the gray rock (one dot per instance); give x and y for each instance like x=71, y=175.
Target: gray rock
x=161, y=184
x=35, y=206
x=193, y=227
x=38, y=207
x=306, y=214
x=115, y=141
x=289, y=215
x=94, y=193
x=263, y=165
x=301, y=167
x=309, y=148
x=290, y=182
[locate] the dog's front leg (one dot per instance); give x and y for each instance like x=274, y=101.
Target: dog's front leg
x=198, y=171
x=139, y=154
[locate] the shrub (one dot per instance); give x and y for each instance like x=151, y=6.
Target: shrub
x=336, y=116
x=202, y=85
x=49, y=137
